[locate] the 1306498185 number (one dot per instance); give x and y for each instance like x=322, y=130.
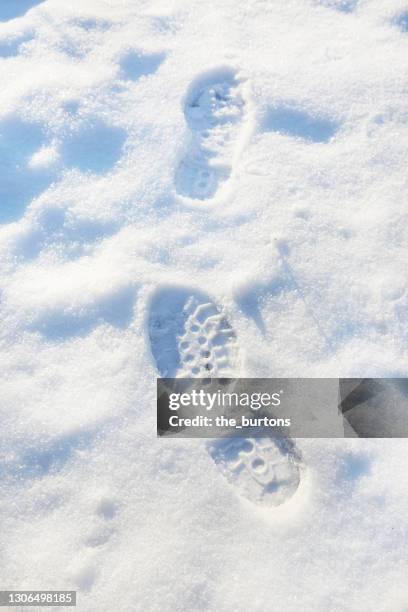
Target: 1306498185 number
x=38, y=598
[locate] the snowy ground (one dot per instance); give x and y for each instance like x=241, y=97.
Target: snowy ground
x=290, y=214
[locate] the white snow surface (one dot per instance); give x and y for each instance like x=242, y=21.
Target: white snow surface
x=302, y=241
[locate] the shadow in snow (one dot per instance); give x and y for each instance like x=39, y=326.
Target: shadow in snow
x=71, y=236
x=20, y=183
x=252, y=299
x=402, y=22
x=10, y=9
x=354, y=467
x=345, y=6
x=92, y=24
x=96, y=148
x=115, y=309
x=46, y=458
x=11, y=47
x=135, y=64
x=299, y=124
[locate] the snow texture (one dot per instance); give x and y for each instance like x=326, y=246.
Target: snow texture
x=245, y=155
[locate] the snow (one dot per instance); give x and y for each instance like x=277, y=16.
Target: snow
x=300, y=238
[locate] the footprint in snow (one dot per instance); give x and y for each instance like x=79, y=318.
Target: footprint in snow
x=191, y=337
x=85, y=573
x=105, y=512
x=215, y=112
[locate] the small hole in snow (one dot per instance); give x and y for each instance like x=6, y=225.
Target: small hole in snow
x=247, y=446
x=258, y=464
